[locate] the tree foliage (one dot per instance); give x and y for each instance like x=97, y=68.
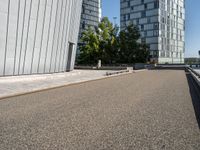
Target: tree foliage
x=107, y=44
x=108, y=41
x=131, y=51
x=90, y=49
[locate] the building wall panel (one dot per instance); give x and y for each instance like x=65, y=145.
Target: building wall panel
x=35, y=35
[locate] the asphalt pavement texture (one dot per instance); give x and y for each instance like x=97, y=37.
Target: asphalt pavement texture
x=149, y=110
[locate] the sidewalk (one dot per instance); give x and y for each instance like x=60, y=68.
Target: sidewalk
x=17, y=85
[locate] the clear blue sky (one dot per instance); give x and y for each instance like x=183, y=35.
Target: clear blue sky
x=111, y=8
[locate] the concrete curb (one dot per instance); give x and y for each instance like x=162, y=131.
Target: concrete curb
x=60, y=86
x=142, y=70
x=116, y=72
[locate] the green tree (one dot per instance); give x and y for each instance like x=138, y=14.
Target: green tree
x=142, y=54
x=99, y=44
x=89, y=51
x=105, y=43
x=131, y=51
x=108, y=41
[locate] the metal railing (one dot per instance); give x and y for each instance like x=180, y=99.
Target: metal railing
x=193, y=71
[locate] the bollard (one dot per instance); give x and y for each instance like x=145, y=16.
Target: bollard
x=99, y=64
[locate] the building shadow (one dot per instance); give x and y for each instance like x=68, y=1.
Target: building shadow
x=168, y=68
x=195, y=95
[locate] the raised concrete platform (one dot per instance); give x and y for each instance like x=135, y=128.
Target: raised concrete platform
x=17, y=85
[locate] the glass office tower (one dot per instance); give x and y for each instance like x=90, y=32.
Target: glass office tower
x=162, y=26
x=38, y=36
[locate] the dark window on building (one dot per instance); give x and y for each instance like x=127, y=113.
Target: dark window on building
x=145, y=6
x=83, y=25
x=156, y=4
x=144, y=14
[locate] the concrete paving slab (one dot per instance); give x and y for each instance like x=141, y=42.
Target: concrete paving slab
x=17, y=85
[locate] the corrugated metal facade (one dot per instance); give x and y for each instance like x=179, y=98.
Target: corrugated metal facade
x=38, y=36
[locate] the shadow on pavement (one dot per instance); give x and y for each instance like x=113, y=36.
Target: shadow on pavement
x=195, y=94
x=168, y=68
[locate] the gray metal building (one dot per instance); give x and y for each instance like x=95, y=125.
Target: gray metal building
x=38, y=36
x=90, y=17
x=162, y=26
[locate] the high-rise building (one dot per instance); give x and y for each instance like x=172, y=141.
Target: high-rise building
x=90, y=17
x=38, y=36
x=162, y=26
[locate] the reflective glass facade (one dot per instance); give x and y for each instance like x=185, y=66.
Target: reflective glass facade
x=162, y=26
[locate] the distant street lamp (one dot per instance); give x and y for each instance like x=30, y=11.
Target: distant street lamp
x=199, y=56
x=199, y=53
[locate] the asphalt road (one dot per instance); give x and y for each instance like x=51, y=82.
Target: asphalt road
x=147, y=110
